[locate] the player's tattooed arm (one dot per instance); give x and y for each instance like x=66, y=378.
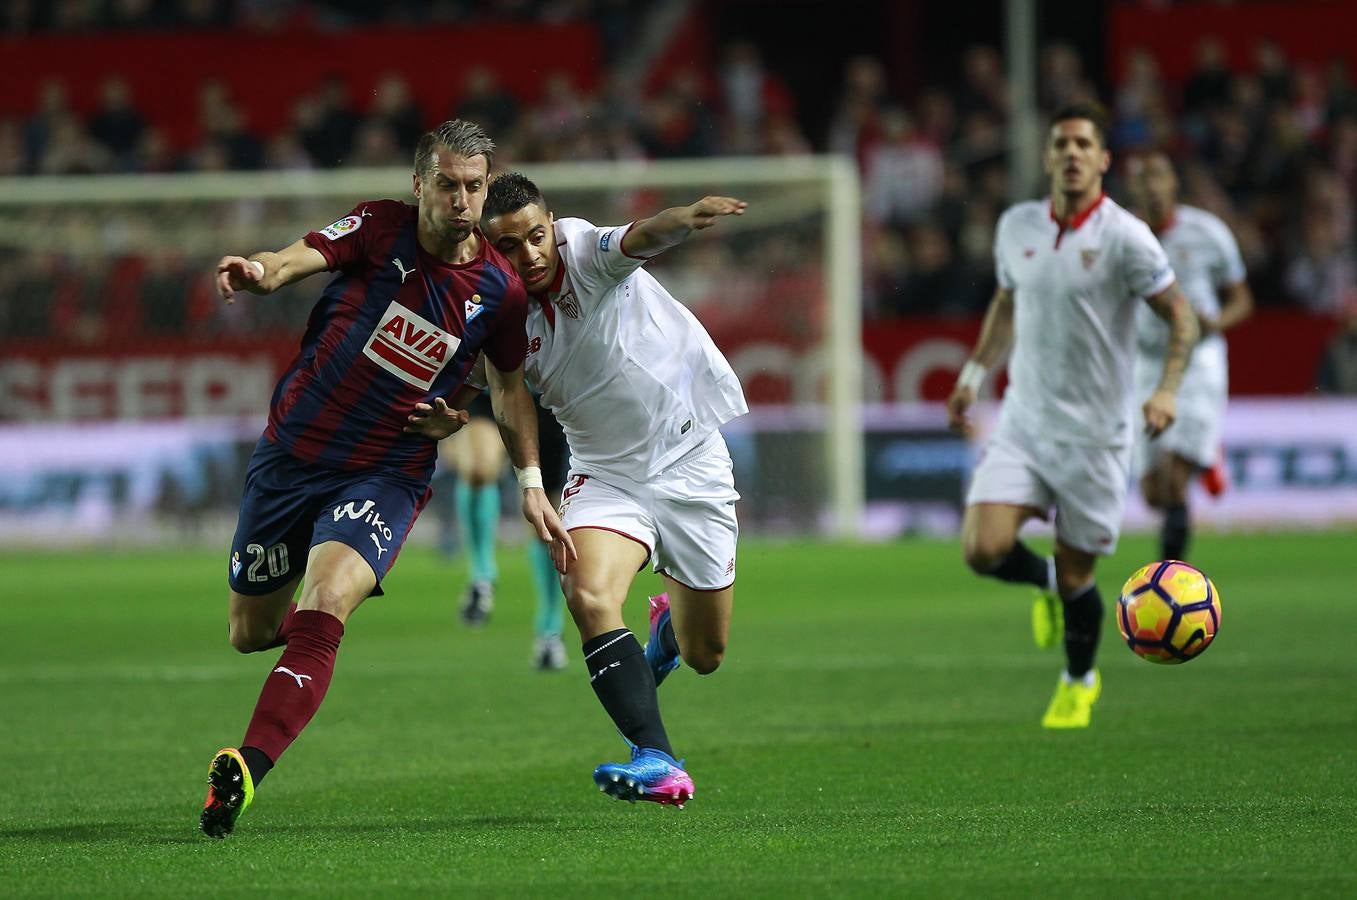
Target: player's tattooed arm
x=265, y=272
x=1171, y=306
x=670, y=227
x=1236, y=305
x=996, y=336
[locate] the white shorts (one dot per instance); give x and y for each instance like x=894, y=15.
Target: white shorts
x=1195, y=432
x=684, y=517
x=1085, y=485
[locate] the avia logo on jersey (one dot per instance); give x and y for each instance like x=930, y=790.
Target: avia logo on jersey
x=347, y=225
x=1088, y=257
x=365, y=513
x=473, y=308
x=410, y=347
x=569, y=304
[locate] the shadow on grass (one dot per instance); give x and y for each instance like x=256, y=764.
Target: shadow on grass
x=187, y=833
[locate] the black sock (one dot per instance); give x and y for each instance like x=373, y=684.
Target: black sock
x=257, y=763
x=1175, y=532
x=1022, y=566
x=626, y=687
x=669, y=640
x=1083, y=625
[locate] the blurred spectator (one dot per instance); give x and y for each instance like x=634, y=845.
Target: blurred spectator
x=330, y=125
x=1061, y=79
x=937, y=283
x=376, y=145
x=70, y=151
x=53, y=109
x=396, y=108
x=486, y=103
x=1322, y=277
x=749, y=94
x=154, y=153
x=1339, y=90
x=902, y=173
x=983, y=86
x=117, y=124
x=1274, y=73
x=1208, y=87
x=13, y=161
x=855, y=123
x=1338, y=365
x=284, y=151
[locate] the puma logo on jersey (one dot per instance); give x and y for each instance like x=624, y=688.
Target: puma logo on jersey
x=363, y=212
x=405, y=273
x=286, y=671
x=410, y=347
x=380, y=548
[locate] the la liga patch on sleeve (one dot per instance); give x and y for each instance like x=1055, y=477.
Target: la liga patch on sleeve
x=346, y=225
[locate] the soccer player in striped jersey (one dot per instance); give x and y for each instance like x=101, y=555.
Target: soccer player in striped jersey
x=341, y=471
x=1209, y=266
x=1072, y=270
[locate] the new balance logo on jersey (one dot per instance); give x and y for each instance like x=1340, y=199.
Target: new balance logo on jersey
x=400, y=267
x=410, y=347
x=286, y=671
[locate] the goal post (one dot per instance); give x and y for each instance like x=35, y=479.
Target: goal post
x=779, y=289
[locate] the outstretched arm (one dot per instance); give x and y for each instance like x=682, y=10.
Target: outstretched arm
x=670, y=227
x=264, y=273
x=516, y=416
x=996, y=336
x=1171, y=306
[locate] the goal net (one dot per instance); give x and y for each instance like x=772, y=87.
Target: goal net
x=130, y=396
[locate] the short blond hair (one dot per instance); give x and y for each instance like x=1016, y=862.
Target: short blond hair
x=457, y=135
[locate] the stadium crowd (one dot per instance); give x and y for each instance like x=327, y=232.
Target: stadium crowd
x=1270, y=147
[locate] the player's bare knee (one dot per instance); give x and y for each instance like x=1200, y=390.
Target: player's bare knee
x=705, y=658
x=327, y=598
x=984, y=555
x=585, y=603
x=245, y=639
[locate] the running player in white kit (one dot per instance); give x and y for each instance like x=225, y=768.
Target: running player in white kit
x=1210, y=270
x=641, y=391
x=1071, y=269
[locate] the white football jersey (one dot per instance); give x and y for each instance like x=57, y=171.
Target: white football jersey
x=1075, y=293
x=634, y=379
x=1205, y=258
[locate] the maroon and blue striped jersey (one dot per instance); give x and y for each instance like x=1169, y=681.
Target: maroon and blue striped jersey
x=397, y=326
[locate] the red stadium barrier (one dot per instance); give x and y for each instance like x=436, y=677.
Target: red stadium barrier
x=1274, y=353
x=267, y=72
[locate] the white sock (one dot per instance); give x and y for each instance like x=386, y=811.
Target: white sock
x=1050, y=574
x=1087, y=680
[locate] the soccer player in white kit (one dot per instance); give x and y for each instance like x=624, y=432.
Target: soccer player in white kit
x=641, y=391
x=1071, y=269
x=1210, y=269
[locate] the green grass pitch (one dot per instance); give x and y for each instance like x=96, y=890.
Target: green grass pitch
x=874, y=732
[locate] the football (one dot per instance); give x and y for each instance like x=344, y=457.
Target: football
x=1168, y=612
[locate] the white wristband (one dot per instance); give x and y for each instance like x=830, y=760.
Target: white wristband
x=972, y=376
x=258, y=265
x=528, y=477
